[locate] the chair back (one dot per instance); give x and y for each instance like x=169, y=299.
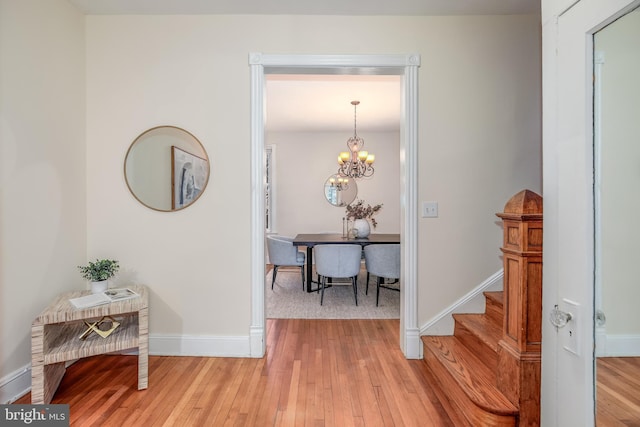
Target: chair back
x=282, y=252
x=338, y=260
x=383, y=260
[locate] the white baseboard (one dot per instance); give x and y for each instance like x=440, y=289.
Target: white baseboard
x=15, y=385
x=617, y=345
x=473, y=302
x=413, y=347
x=18, y=383
x=258, y=346
x=601, y=341
x=196, y=345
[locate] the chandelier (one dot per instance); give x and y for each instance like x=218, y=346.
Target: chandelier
x=356, y=163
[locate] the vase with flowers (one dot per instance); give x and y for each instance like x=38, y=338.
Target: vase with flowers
x=362, y=217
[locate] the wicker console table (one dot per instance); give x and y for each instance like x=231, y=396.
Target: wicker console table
x=55, y=338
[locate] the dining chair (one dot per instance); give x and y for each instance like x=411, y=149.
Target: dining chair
x=382, y=261
x=282, y=253
x=338, y=261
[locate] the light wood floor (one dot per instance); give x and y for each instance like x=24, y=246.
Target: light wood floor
x=315, y=373
x=618, y=391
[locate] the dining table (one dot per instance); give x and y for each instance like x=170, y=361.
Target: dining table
x=309, y=240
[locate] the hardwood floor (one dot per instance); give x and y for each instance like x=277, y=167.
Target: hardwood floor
x=315, y=373
x=618, y=400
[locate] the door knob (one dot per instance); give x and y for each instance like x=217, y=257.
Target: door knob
x=559, y=318
x=601, y=319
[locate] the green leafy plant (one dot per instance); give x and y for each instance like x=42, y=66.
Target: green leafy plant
x=359, y=211
x=102, y=269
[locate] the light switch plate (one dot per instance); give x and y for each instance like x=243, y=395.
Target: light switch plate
x=571, y=331
x=429, y=209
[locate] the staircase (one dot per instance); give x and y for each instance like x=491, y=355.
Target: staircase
x=488, y=372
x=464, y=366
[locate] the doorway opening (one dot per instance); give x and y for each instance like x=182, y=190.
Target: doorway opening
x=405, y=66
x=309, y=118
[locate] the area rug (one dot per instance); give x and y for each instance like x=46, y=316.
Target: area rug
x=287, y=300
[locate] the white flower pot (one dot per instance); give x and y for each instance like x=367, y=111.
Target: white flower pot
x=97, y=287
x=361, y=228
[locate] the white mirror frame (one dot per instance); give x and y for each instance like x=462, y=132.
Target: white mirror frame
x=403, y=65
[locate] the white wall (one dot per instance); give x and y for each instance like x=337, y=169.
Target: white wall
x=304, y=161
x=42, y=181
x=479, y=145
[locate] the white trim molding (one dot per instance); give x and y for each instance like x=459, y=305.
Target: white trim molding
x=197, y=345
x=258, y=328
x=15, y=385
x=620, y=345
x=18, y=383
x=473, y=302
x=405, y=65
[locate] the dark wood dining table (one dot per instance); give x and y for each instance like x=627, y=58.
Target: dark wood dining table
x=310, y=240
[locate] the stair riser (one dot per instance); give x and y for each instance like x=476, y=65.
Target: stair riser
x=494, y=311
x=458, y=400
x=484, y=351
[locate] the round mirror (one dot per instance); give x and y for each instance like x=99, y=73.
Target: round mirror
x=166, y=168
x=339, y=190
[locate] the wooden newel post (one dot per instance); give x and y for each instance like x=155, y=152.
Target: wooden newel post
x=519, y=350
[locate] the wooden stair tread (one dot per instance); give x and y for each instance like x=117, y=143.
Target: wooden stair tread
x=483, y=327
x=474, y=378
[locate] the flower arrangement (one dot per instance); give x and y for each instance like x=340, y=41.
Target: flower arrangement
x=100, y=270
x=359, y=211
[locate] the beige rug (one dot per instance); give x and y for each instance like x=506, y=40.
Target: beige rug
x=287, y=300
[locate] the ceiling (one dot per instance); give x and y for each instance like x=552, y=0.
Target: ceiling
x=308, y=7
x=321, y=102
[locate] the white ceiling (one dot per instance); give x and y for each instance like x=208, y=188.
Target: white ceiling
x=323, y=102
x=314, y=102
x=308, y=7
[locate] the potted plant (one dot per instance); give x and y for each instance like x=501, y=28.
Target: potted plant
x=361, y=215
x=99, y=272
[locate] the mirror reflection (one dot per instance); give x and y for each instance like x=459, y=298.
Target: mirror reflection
x=617, y=156
x=166, y=168
x=339, y=190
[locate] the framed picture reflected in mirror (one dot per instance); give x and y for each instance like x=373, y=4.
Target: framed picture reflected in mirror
x=188, y=177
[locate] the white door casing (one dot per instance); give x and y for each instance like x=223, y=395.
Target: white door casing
x=567, y=397
x=407, y=67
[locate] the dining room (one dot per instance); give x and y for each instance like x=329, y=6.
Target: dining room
x=310, y=120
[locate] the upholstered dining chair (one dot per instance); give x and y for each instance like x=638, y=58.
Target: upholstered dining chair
x=282, y=253
x=382, y=261
x=338, y=261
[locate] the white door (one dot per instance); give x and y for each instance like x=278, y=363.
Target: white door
x=568, y=275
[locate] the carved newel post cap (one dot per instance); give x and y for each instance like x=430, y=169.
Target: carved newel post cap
x=525, y=202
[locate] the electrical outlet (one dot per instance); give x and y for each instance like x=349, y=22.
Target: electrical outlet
x=429, y=209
